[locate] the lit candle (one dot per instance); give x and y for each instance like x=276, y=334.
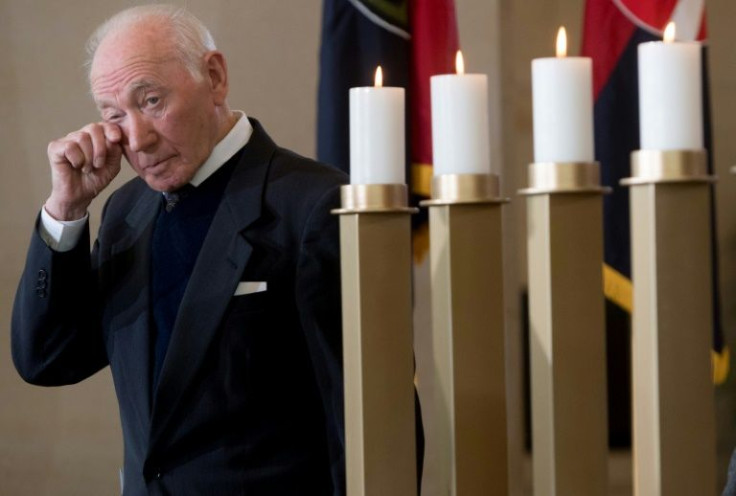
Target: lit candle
x=460, y=132
x=377, y=147
x=562, y=95
x=670, y=94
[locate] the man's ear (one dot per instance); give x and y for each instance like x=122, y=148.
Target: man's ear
x=216, y=75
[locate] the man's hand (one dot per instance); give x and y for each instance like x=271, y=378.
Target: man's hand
x=82, y=164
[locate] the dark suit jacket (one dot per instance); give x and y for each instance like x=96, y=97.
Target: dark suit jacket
x=250, y=395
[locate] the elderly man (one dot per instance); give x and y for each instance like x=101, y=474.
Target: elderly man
x=212, y=290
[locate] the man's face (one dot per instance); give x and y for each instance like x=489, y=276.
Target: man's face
x=167, y=116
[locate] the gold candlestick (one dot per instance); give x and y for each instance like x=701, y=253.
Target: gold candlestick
x=468, y=334
x=566, y=313
x=673, y=428
x=375, y=248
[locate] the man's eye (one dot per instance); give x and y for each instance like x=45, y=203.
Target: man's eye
x=152, y=100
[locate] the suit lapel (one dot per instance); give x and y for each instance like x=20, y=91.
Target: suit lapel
x=215, y=276
x=136, y=239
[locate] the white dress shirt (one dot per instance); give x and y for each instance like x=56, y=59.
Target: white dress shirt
x=61, y=235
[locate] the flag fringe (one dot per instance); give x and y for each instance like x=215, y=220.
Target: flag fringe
x=617, y=288
x=721, y=363
x=421, y=179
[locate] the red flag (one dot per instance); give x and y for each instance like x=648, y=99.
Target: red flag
x=434, y=44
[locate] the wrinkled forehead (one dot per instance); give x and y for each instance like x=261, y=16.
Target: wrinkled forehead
x=142, y=42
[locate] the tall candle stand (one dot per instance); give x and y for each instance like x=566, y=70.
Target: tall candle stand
x=375, y=248
x=673, y=428
x=468, y=333
x=568, y=360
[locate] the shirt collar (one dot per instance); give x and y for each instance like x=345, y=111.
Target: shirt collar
x=225, y=149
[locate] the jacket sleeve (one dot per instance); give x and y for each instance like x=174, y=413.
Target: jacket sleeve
x=55, y=332
x=319, y=304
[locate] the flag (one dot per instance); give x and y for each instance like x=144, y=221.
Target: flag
x=433, y=48
x=613, y=30
x=357, y=37
x=411, y=40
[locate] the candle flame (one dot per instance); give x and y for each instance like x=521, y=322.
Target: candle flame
x=561, y=42
x=459, y=63
x=669, y=32
x=379, y=77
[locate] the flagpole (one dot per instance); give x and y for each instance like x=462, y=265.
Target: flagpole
x=468, y=334
x=378, y=361
x=673, y=400
x=567, y=329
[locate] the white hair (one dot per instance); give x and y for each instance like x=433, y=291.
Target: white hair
x=191, y=37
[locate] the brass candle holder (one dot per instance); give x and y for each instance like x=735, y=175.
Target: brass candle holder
x=567, y=341
x=468, y=334
x=673, y=399
x=376, y=264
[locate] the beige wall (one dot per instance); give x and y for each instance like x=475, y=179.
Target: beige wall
x=67, y=441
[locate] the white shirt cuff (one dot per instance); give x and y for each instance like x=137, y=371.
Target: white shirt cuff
x=61, y=235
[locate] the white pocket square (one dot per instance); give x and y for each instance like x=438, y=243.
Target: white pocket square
x=248, y=287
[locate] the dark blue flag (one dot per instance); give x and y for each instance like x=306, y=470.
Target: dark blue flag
x=357, y=37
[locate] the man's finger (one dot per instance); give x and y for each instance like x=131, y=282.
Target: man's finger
x=114, y=153
x=84, y=140
x=56, y=150
x=74, y=154
x=96, y=134
x=112, y=132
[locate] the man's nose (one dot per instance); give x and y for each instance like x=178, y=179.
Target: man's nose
x=140, y=134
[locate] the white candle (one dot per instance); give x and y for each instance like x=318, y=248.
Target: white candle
x=377, y=145
x=460, y=132
x=670, y=95
x=562, y=97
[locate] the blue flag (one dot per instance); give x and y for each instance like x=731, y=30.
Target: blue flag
x=357, y=37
